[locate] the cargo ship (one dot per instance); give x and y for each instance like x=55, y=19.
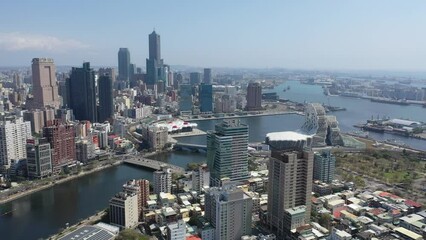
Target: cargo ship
x=378, y=129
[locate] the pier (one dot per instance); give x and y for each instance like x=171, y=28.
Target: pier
x=152, y=164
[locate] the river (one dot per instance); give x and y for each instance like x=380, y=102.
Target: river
x=45, y=212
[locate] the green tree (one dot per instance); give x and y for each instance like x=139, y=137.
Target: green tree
x=192, y=166
x=325, y=220
x=130, y=234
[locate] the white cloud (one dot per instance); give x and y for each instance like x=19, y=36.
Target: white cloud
x=16, y=41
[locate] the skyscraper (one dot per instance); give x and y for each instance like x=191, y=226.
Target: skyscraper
x=124, y=64
x=62, y=142
x=13, y=139
x=162, y=181
x=254, y=96
x=324, y=166
x=107, y=71
x=206, y=98
x=207, y=78
x=45, y=86
x=289, y=189
x=82, y=93
x=154, y=46
x=106, y=105
x=227, y=153
x=195, y=78
x=185, y=98
x=229, y=211
x=154, y=64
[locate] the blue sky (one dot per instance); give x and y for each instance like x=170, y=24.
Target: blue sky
x=333, y=35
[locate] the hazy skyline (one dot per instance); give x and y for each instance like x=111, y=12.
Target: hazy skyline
x=334, y=35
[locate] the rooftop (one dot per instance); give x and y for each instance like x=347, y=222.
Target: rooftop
x=296, y=210
x=88, y=233
x=287, y=136
x=404, y=122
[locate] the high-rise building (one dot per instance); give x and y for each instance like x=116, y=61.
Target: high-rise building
x=49, y=116
x=162, y=180
x=154, y=64
x=106, y=105
x=45, y=86
x=39, y=158
x=206, y=98
x=176, y=230
x=200, y=178
x=324, y=166
x=65, y=114
x=195, y=78
x=84, y=150
x=154, y=46
x=185, y=98
x=228, y=103
x=155, y=136
x=61, y=137
x=36, y=118
x=82, y=93
x=17, y=81
x=227, y=153
x=123, y=210
x=228, y=209
x=207, y=78
x=254, y=96
x=289, y=186
x=141, y=189
x=124, y=64
x=132, y=71
x=13, y=139
x=108, y=72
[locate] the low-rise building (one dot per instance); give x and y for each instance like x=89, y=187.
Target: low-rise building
x=176, y=230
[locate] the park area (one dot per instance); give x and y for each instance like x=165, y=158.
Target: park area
x=400, y=171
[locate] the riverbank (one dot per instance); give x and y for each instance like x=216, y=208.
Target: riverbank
x=372, y=144
x=88, y=221
x=242, y=116
x=53, y=183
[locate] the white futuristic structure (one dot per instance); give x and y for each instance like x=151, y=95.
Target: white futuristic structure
x=324, y=128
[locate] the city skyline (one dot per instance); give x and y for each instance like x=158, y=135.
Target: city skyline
x=329, y=35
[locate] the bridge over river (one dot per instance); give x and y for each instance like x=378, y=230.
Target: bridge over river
x=152, y=164
x=190, y=146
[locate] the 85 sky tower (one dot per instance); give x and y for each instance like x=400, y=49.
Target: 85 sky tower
x=154, y=64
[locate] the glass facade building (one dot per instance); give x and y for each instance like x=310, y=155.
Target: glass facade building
x=227, y=153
